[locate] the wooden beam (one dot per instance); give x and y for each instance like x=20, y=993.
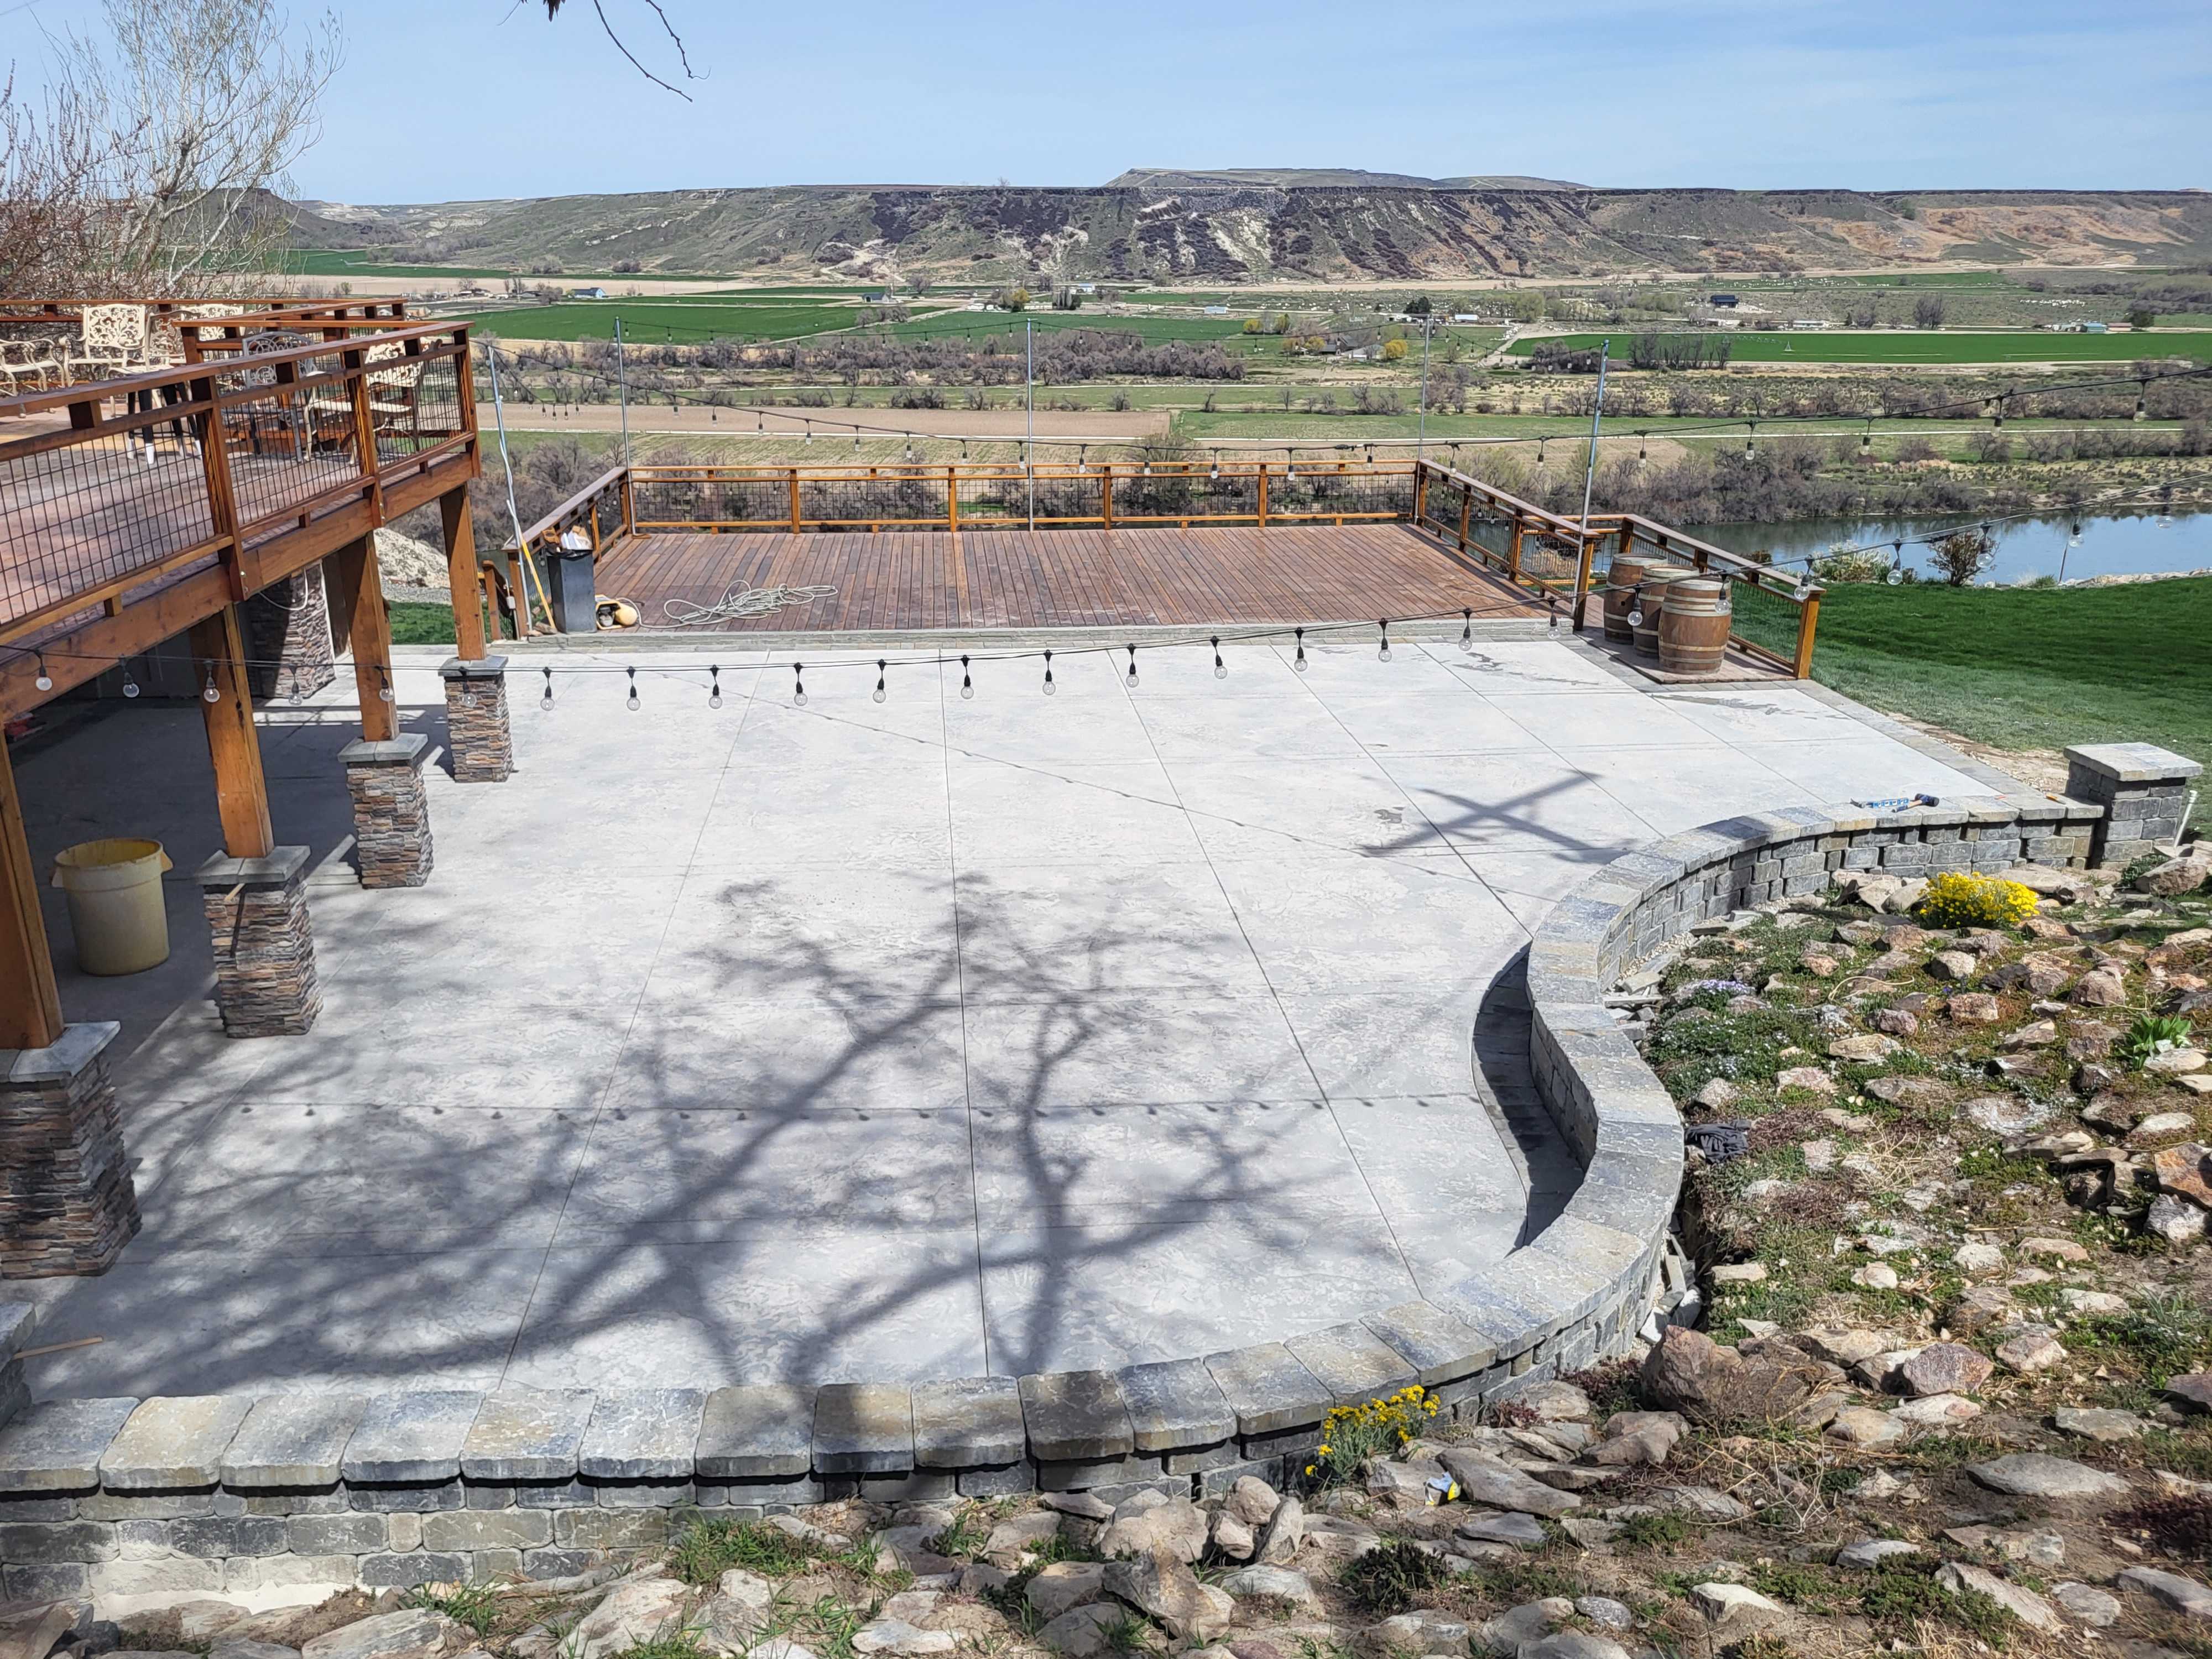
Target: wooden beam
x=30, y=1005
x=355, y=567
x=241, y=793
x=461, y=573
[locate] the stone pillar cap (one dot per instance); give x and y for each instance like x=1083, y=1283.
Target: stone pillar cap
x=472, y=668
x=282, y=864
x=2135, y=762
x=63, y=1058
x=405, y=750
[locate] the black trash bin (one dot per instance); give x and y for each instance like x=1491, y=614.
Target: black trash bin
x=569, y=578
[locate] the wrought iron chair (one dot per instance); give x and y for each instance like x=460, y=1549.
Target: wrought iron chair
x=112, y=340
x=34, y=360
x=394, y=392
x=287, y=414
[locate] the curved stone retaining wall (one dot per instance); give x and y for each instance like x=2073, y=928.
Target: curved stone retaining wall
x=178, y=1497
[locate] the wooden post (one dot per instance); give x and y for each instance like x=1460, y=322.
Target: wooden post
x=461, y=574
x=1513, y=551
x=241, y=793
x=1466, y=513
x=1808, y=620
x=1586, y=552
x=222, y=499
x=1106, y=494
x=794, y=501
x=629, y=497
x=952, y=499
x=354, y=566
x=30, y=1004
x=1263, y=494
x=1420, y=491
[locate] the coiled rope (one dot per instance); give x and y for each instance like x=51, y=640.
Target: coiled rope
x=742, y=602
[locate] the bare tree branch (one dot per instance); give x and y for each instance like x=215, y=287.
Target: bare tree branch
x=553, y=9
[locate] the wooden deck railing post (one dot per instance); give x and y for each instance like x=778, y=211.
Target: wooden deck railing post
x=1808, y=620
x=1584, y=558
x=1106, y=494
x=1420, y=491
x=222, y=495
x=1466, y=513
x=1263, y=494
x=1513, y=551
x=952, y=499
x=626, y=496
x=794, y=501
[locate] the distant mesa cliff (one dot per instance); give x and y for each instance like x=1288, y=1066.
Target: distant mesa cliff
x=1255, y=225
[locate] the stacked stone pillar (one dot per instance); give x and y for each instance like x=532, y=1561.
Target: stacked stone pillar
x=477, y=729
x=264, y=949
x=67, y=1205
x=391, y=809
x=287, y=637
x=2144, y=791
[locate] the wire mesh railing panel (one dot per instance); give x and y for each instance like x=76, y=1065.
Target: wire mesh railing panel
x=1322, y=492
x=81, y=517
x=291, y=439
x=414, y=405
x=762, y=502
x=916, y=498
x=1194, y=492
x=1764, y=617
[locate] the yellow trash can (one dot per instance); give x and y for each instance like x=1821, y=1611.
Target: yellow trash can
x=115, y=906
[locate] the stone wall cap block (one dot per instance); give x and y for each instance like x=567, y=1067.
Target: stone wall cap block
x=2134, y=763
x=1439, y=1348
x=17, y=1321
x=642, y=1434
x=478, y=668
x=975, y=1422
x=55, y=1445
x=1076, y=1417
x=174, y=1442
x=1175, y=1404
x=406, y=750
x=276, y=870
x=293, y=1440
x=758, y=1430
x=863, y=1428
x=413, y=1438
x=527, y=1434
x=1352, y=1362
x=76, y=1048
x=1501, y=1320
x=1268, y=1390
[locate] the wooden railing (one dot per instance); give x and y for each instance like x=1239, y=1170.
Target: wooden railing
x=1526, y=544
x=241, y=461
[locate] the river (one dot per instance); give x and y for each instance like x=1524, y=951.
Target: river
x=2127, y=545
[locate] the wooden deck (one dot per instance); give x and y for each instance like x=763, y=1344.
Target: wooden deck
x=1063, y=578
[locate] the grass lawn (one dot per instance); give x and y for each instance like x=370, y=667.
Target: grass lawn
x=681, y=321
x=2031, y=668
x=1881, y=346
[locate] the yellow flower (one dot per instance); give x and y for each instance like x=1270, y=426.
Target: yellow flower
x=1322, y=1450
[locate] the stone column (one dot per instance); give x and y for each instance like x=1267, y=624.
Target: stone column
x=391, y=809
x=67, y=1205
x=264, y=949
x=477, y=731
x=2143, y=789
x=287, y=637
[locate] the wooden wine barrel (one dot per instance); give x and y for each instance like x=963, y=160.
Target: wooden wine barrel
x=1651, y=596
x=1621, y=579
x=1694, y=626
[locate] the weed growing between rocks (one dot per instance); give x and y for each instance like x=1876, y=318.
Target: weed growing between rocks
x=1390, y=1578
x=476, y=1605
x=709, y=1546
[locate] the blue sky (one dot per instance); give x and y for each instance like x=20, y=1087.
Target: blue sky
x=449, y=98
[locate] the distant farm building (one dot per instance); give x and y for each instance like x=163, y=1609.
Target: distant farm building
x=1724, y=299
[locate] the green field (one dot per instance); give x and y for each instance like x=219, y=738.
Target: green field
x=2031, y=668
x=1818, y=346
x=680, y=320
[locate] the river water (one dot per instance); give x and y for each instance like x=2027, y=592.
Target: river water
x=2130, y=544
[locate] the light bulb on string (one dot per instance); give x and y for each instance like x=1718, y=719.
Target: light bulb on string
x=1384, y=653
x=1220, y=668
x=1641, y=456
x=1130, y=678
x=1552, y=601
x=798, y=685
x=631, y=701
x=1299, y=662
x=546, y=697
x=1751, y=440
x=384, y=685
x=809, y=437
x=1896, y=576
x=1467, y=630
x=1049, y=688
x=1292, y=471
x=1866, y=443
x=1082, y=458
x=208, y=693
x=46, y=681
x=130, y=685
x=967, y=685
x=881, y=667
x=714, y=688
x=2142, y=396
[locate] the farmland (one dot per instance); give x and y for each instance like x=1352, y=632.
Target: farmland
x=1933, y=348
x=683, y=321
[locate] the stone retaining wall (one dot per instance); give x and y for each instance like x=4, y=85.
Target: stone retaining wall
x=178, y=1497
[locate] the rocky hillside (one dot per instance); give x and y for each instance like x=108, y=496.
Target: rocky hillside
x=1218, y=227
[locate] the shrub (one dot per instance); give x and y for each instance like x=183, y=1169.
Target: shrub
x=1852, y=565
x=1389, y=1579
x=1350, y=1434
x=1955, y=899
x=1963, y=555
x=2152, y=1032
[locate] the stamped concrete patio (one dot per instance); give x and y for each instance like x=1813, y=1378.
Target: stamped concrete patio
x=928, y=1038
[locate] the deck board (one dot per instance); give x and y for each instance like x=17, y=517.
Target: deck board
x=1060, y=578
